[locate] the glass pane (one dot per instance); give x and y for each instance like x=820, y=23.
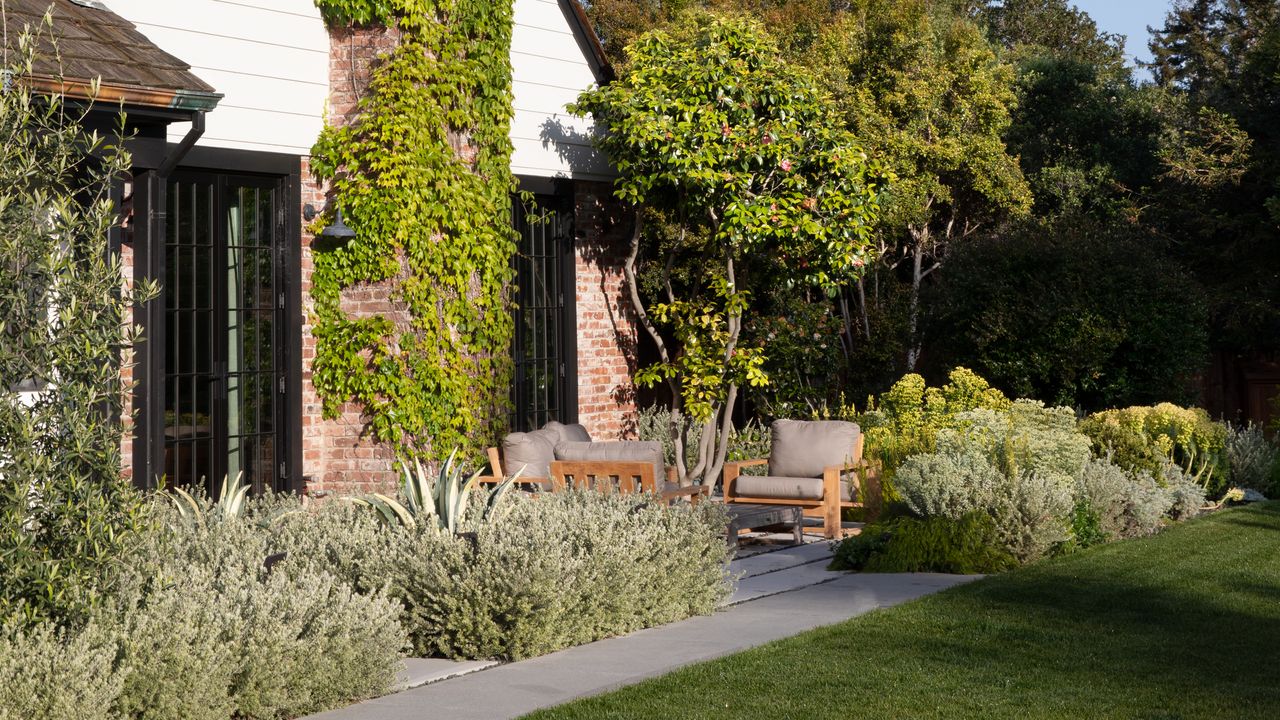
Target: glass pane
x=538, y=346
x=188, y=350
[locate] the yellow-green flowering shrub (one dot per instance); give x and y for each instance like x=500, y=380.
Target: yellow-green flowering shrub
x=1149, y=437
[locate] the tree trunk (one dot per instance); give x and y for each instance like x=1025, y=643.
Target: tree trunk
x=921, y=237
x=676, y=424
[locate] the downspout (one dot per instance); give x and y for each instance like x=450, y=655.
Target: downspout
x=173, y=158
x=149, y=457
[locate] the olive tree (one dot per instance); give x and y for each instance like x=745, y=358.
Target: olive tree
x=64, y=508
x=709, y=125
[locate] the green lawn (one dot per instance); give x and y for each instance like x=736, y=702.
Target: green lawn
x=1182, y=625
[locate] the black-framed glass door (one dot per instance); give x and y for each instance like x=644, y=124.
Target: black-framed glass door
x=545, y=369
x=225, y=375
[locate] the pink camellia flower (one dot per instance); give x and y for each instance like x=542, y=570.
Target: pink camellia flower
x=767, y=139
x=725, y=131
x=785, y=165
x=809, y=203
x=858, y=262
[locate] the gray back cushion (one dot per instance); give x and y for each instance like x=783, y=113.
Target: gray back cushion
x=805, y=448
x=625, y=450
x=568, y=433
x=532, y=450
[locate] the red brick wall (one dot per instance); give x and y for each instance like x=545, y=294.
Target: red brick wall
x=606, y=325
x=337, y=458
x=126, y=372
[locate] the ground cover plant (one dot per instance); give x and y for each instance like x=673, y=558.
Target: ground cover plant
x=557, y=570
x=1180, y=625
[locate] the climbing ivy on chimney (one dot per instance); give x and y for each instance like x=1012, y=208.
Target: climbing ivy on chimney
x=422, y=174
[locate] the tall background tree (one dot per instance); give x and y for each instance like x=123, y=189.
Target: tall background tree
x=709, y=126
x=921, y=85
x=1219, y=200
x=1017, y=127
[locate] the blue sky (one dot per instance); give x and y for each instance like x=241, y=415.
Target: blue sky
x=1129, y=18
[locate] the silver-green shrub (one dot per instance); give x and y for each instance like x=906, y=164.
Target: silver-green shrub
x=1027, y=437
x=1019, y=464
x=176, y=637
x=1187, y=492
x=654, y=424
x=1031, y=513
x=949, y=483
x=208, y=632
x=343, y=539
x=52, y=675
x=1029, y=509
x=563, y=569
x=1252, y=459
x=1127, y=503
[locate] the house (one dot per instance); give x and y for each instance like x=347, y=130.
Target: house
x=226, y=99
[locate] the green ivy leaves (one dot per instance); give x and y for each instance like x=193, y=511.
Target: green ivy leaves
x=433, y=229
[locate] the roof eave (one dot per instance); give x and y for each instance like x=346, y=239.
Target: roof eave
x=593, y=41
x=184, y=100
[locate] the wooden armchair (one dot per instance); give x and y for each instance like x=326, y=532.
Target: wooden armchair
x=808, y=466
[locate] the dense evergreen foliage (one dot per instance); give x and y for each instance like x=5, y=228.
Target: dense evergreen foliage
x=66, y=512
x=1143, y=196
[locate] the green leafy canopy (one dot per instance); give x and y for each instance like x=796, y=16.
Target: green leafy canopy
x=709, y=119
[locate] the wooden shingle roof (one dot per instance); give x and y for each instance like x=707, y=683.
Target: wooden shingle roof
x=89, y=41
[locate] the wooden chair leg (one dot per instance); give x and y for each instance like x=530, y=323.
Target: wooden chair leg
x=831, y=503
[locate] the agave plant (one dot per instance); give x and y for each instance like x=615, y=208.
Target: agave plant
x=439, y=501
x=229, y=505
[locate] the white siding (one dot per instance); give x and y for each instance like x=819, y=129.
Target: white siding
x=549, y=69
x=269, y=58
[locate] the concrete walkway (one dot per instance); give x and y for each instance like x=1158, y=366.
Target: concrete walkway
x=783, y=592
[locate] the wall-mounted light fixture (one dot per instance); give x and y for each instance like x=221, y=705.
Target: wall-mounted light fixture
x=337, y=230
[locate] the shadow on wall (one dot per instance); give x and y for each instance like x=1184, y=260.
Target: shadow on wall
x=574, y=147
x=602, y=238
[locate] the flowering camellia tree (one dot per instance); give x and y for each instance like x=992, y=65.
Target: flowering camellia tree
x=709, y=125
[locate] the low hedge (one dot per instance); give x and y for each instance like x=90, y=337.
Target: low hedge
x=557, y=570
x=197, y=627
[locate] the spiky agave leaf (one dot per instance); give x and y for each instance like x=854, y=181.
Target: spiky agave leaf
x=447, y=494
x=389, y=510
x=497, y=494
x=232, y=498
x=187, y=506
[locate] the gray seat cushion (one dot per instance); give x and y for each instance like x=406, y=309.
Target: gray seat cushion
x=784, y=488
x=804, y=448
x=533, y=451
x=620, y=450
x=568, y=433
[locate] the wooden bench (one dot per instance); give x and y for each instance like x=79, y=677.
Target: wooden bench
x=607, y=476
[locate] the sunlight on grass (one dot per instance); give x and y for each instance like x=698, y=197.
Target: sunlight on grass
x=1181, y=625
